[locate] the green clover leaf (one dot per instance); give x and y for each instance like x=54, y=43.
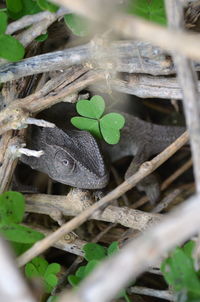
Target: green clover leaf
x=20, y=233
x=3, y=22
x=12, y=206
x=94, y=251
x=39, y=267
x=179, y=271
x=79, y=25
x=14, y=6
x=107, y=126
x=110, y=124
x=113, y=248
x=10, y=48
x=42, y=38
x=152, y=10
x=84, y=123
x=93, y=108
x=46, y=5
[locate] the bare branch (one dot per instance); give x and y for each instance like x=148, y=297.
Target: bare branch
x=189, y=84
x=77, y=201
x=170, y=40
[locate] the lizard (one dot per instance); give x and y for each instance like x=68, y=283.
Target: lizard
x=74, y=157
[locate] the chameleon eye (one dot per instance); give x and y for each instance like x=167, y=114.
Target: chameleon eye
x=65, y=162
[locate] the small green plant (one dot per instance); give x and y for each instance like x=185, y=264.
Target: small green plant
x=12, y=207
x=179, y=272
x=10, y=48
x=94, y=254
x=40, y=268
x=107, y=126
x=77, y=24
x=152, y=10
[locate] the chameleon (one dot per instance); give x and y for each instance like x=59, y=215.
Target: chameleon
x=74, y=157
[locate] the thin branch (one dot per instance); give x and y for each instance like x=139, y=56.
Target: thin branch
x=122, y=55
x=161, y=294
x=7, y=161
x=77, y=201
x=54, y=91
x=145, y=169
x=32, y=19
x=169, y=40
x=189, y=84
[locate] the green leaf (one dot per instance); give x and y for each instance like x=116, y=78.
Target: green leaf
x=36, y=267
x=10, y=48
x=3, y=22
x=80, y=273
x=73, y=280
x=79, y=25
x=14, y=6
x=42, y=38
x=39, y=267
x=113, y=248
x=51, y=280
x=20, y=233
x=93, y=108
x=20, y=248
x=46, y=5
x=94, y=251
x=91, y=266
x=189, y=248
x=110, y=124
x=179, y=272
x=87, y=124
x=40, y=264
x=53, y=268
x=12, y=206
x=152, y=10
x=29, y=7
x=31, y=271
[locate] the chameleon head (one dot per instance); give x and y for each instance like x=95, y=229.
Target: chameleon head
x=71, y=157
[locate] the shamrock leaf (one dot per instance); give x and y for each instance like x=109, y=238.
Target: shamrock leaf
x=20, y=233
x=79, y=25
x=94, y=251
x=179, y=271
x=113, y=248
x=88, y=124
x=14, y=6
x=106, y=126
x=3, y=22
x=110, y=124
x=10, y=48
x=39, y=267
x=152, y=10
x=12, y=205
x=93, y=108
x=46, y=5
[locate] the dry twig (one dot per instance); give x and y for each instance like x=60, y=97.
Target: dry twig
x=189, y=85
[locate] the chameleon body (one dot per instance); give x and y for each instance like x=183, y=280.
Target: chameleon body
x=74, y=158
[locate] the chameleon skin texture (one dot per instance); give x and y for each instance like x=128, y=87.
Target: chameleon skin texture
x=74, y=158
x=70, y=157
